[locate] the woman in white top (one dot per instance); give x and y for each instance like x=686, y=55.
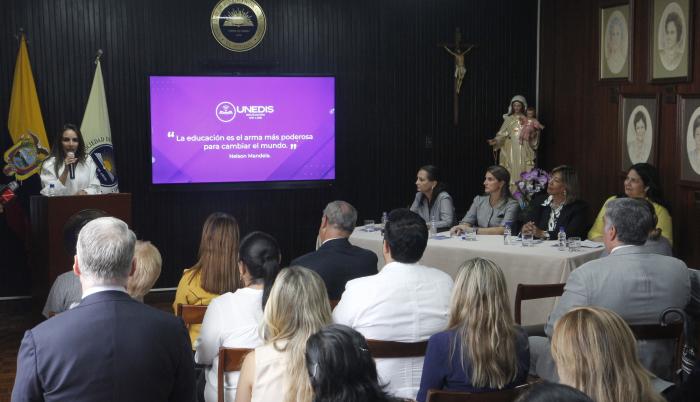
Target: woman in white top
x=298, y=307
x=69, y=149
x=233, y=319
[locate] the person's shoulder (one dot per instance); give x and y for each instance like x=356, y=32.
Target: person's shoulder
x=304, y=258
x=443, y=195
x=361, y=283
x=442, y=337
x=437, y=274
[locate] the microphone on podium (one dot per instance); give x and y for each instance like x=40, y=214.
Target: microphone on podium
x=71, y=167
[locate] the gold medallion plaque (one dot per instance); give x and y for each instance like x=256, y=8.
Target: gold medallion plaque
x=238, y=25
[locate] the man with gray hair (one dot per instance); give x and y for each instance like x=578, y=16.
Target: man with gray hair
x=337, y=261
x=633, y=282
x=110, y=347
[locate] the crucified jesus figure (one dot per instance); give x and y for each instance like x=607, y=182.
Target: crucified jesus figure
x=460, y=69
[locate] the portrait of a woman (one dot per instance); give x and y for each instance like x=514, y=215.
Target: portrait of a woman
x=694, y=142
x=639, y=138
x=616, y=42
x=671, y=37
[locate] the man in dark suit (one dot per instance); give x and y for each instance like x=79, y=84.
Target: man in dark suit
x=110, y=347
x=338, y=261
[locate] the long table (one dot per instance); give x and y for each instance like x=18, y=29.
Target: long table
x=541, y=264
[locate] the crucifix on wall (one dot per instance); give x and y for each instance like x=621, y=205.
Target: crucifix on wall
x=458, y=50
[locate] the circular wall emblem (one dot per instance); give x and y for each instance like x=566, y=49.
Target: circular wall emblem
x=238, y=25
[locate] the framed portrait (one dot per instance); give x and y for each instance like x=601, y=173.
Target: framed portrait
x=689, y=138
x=671, y=40
x=639, y=116
x=615, y=41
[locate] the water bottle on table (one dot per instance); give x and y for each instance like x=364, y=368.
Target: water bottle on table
x=52, y=190
x=385, y=218
x=561, y=237
x=433, y=228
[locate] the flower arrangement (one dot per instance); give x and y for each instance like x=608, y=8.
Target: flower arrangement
x=530, y=183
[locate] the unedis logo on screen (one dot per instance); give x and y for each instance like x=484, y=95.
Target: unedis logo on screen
x=226, y=111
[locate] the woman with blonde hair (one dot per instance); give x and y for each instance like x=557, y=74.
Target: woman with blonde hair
x=596, y=353
x=297, y=308
x=482, y=349
x=216, y=272
x=148, y=265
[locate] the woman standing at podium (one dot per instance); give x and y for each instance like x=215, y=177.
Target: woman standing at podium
x=68, y=153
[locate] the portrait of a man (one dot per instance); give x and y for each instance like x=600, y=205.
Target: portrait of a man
x=639, y=135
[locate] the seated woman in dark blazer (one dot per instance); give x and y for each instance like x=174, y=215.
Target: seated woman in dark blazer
x=559, y=207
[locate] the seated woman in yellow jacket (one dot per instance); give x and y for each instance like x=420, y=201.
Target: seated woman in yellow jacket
x=216, y=272
x=642, y=181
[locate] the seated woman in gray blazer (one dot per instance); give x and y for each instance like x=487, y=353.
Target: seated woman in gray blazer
x=432, y=201
x=490, y=212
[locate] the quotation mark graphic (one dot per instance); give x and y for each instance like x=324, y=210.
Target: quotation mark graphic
x=293, y=146
x=171, y=134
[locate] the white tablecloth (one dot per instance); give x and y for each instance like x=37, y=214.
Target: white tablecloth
x=541, y=264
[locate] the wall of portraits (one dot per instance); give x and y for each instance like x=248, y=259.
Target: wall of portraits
x=602, y=123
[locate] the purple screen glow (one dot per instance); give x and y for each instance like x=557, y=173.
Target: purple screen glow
x=242, y=129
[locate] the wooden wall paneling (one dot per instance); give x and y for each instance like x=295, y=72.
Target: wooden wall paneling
x=393, y=90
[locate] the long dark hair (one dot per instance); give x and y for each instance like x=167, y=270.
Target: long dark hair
x=218, y=254
x=341, y=367
x=261, y=255
x=502, y=174
x=433, y=174
x=57, y=147
x=650, y=178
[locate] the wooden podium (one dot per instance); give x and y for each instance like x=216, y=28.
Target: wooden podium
x=48, y=257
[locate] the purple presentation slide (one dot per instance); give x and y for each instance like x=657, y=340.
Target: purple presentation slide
x=242, y=129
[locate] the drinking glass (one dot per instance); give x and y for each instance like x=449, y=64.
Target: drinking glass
x=369, y=225
x=470, y=234
x=574, y=244
x=528, y=240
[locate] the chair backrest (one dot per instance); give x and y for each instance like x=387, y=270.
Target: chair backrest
x=191, y=314
x=505, y=395
x=334, y=302
x=531, y=292
x=230, y=359
x=672, y=331
x=391, y=349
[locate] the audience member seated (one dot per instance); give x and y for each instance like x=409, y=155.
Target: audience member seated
x=298, y=307
x=404, y=302
x=482, y=349
x=337, y=261
x=560, y=207
x=216, y=272
x=232, y=319
x=596, y=353
x=642, y=181
x=110, y=347
x=341, y=367
x=489, y=213
x=148, y=265
x=553, y=392
x=66, y=290
x=655, y=244
x=432, y=201
x=634, y=283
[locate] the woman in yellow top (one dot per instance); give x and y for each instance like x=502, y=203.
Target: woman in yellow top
x=642, y=181
x=216, y=272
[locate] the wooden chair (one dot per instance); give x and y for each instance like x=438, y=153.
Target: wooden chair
x=391, y=349
x=655, y=332
x=190, y=314
x=532, y=292
x=230, y=359
x=506, y=395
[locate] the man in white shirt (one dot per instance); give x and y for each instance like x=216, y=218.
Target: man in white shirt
x=404, y=302
x=110, y=347
x=632, y=281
